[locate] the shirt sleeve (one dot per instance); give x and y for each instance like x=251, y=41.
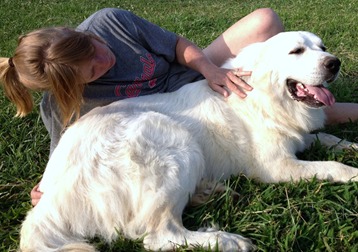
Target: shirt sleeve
x=113, y=24
x=51, y=117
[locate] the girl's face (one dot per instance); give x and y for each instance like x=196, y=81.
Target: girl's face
x=102, y=61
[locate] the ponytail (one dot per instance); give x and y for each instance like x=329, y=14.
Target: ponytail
x=48, y=59
x=14, y=90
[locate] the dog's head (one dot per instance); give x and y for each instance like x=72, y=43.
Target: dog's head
x=293, y=64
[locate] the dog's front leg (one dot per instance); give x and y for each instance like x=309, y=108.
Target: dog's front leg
x=330, y=141
x=295, y=170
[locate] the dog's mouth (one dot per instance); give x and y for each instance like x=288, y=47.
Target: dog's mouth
x=313, y=96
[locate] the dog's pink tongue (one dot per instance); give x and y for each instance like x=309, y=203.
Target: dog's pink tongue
x=322, y=94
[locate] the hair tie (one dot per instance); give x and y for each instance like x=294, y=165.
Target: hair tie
x=11, y=64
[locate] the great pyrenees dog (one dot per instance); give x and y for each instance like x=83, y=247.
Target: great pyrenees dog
x=131, y=167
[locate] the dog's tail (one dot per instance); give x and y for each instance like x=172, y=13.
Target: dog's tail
x=40, y=236
x=73, y=247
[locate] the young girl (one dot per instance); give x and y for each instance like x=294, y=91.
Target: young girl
x=114, y=55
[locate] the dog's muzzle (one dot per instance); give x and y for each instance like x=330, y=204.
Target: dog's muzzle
x=317, y=95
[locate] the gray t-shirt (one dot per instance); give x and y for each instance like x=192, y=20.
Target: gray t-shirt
x=145, y=64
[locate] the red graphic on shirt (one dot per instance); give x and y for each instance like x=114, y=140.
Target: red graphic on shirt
x=135, y=88
x=148, y=69
x=117, y=91
x=152, y=83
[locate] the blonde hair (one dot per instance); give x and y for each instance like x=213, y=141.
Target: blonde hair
x=48, y=59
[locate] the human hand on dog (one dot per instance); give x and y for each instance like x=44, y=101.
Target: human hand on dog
x=35, y=195
x=225, y=80
x=220, y=80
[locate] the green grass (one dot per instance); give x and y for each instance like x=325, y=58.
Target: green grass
x=306, y=216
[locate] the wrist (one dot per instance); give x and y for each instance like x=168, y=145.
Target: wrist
x=206, y=68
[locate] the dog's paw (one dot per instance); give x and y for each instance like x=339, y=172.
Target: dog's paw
x=228, y=242
x=335, y=142
x=210, y=239
x=355, y=178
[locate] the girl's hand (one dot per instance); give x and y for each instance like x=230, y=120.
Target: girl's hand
x=224, y=80
x=35, y=195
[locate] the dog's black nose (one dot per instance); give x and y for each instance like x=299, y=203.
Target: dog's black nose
x=332, y=65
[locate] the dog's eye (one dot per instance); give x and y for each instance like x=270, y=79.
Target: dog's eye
x=299, y=50
x=324, y=48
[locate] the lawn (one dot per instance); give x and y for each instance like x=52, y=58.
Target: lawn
x=306, y=216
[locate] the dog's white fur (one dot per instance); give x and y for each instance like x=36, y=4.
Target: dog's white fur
x=131, y=167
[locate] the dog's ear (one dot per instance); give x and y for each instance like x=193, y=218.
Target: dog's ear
x=251, y=58
x=247, y=58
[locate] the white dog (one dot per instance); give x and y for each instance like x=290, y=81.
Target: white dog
x=131, y=167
